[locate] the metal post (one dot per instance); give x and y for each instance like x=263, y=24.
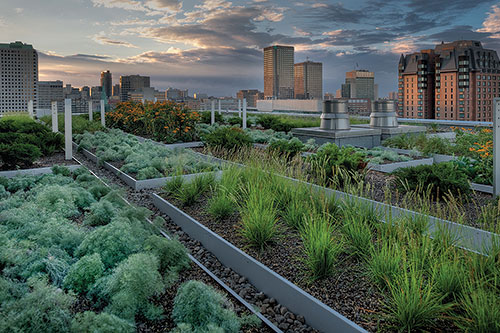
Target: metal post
x=30, y=108
x=91, y=112
x=103, y=119
x=220, y=112
x=496, y=147
x=212, y=114
x=68, y=130
x=239, y=108
x=244, y=113
x=55, y=125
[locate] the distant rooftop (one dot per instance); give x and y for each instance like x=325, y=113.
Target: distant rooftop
x=16, y=45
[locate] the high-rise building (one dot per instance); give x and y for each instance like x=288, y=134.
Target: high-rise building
x=96, y=93
x=308, y=77
x=200, y=96
x=455, y=81
x=18, y=76
x=116, y=90
x=107, y=83
x=173, y=94
x=252, y=95
x=393, y=95
x=146, y=94
x=130, y=83
x=85, y=92
x=359, y=84
x=79, y=104
x=48, y=92
x=278, y=72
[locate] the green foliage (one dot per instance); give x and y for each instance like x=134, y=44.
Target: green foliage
x=200, y=308
x=220, y=206
x=18, y=154
x=84, y=273
x=131, y=285
x=231, y=138
x=79, y=123
x=258, y=215
x=384, y=263
x=321, y=246
x=189, y=193
x=91, y=322
x=448, y=276
x=482, y=310
x=61, y=170
x=206, y=117
x=358, y=235
x=174, y=184
x=114, y=242
x=285, y=147
x=43, y=309
x=144, y=159
x=414, y=304
x=330, y=156
x=274, y=123
x=65, y=200
x=422, y=143
x=380, y=155
x=101, y=213
x=171, y=254
x=443, y=179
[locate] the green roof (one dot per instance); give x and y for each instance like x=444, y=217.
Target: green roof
x=16, y=45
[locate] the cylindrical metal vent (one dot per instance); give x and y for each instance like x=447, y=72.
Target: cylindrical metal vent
x=334, y=116
x=383, y=114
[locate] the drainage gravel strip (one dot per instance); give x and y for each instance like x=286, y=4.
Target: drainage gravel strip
x=277, y=317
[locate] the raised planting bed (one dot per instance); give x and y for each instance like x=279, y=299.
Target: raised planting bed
x=140, y=164
x=291, y=237
x=76, y=257
x=25, y=143
x=382, y=160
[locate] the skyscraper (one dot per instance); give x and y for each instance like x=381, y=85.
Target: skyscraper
x=308, y=77
x=48, y=92
x=455, y=81
x=130, y=83
x=18, y=76
x=251, y=95
x=359, y=84
x=278, y=72
x=116, y=90
x=107, y=83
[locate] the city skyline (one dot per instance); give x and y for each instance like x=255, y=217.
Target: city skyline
x=216, y=46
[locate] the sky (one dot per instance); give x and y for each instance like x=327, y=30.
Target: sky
x=215, y=46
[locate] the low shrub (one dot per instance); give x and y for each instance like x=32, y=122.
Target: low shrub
x=171, y=254
x=443, y=179
x=206, y=117
x=274, y=123
x=43, y=309
x=131, y=285
x=103, y=322
x=285, y=147
x=18, y=154
x=231, y=138
x=200, y=308
x=84, y=273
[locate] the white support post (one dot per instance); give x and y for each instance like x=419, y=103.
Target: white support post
x=68, y=131
x=496, y=147
x=103, y=118
x=220, y=111
x=91, y=112
x=239, y=108
x=244, y=113
x=212, y=113
x=156, y=100
x=55, y=124
x=30, y=108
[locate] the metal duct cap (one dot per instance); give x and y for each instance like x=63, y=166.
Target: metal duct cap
x=334, y=116
x=383, y=114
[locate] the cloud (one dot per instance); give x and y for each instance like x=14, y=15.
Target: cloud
x=103, y=40
x=444, y=6
x=18, y=10
x=173, y=5
x=492, y=21
x=150, y=7
x=322, y=13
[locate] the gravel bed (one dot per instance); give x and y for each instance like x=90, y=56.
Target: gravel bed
x=277, y=314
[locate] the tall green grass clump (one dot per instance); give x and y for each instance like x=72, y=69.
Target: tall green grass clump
x=413, y=302
x=259, y=215
x=190, y=192
x=384, y=263
x=322, y=247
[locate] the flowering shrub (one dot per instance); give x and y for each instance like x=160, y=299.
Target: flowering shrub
x=164, y=121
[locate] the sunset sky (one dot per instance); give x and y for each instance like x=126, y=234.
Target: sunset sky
x=215, y=46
